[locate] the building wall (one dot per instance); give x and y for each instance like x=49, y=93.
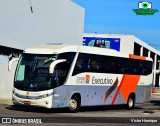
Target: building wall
x=6, y=81
x=127, y=45
x=52, y=21
x=6, y=78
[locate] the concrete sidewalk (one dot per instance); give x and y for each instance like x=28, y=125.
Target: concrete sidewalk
x=155, y=96
x=6, y=101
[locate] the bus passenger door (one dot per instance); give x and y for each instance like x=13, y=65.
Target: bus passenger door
x=58, y=80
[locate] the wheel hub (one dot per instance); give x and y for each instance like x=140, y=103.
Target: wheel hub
x=73, y=104
x=130, y=102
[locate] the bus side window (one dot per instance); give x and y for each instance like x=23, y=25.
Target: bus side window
x=93, y=65
x=105, y=65
x=140, y=66
x=131, y=66
x=102, y=64
x=134, y=67
x=123, y=68
x=89, y=65
x=149, y=67
x=60, y=73
x=78, y=66
x=108, y=64
x=146, y=67
x=62, y=69
x=85, y=62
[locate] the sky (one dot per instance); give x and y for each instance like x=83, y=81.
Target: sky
x=117, y=17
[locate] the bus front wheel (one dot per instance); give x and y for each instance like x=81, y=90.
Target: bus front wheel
x=130, y=102
x=73, y=104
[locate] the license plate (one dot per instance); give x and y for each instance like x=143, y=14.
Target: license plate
x=27, y=102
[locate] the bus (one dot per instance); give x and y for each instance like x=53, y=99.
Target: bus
x=72, y=76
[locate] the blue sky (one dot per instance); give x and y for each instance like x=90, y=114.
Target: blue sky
x=117, y=17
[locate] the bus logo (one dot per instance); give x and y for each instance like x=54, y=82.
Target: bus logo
x=32, y=85
x=83, y=80
x=87, y=79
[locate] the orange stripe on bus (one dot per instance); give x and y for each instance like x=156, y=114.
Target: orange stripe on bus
x=110, y=90
x=128, y=84
x=137, y=57
x=115, y=96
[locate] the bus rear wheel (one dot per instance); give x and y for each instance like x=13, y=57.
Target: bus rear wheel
x=130, y=102
x=73, y=104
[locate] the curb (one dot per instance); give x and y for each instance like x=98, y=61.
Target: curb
x=155, y=94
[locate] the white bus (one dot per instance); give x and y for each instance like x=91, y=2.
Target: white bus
x=56, y=76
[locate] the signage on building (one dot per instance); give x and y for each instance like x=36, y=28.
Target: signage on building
x=110, y=43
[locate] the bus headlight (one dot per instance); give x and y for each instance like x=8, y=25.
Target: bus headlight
x=46, y=95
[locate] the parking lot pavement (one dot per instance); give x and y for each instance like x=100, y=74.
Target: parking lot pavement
x=90, y=115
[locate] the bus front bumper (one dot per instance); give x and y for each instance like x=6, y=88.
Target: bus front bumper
x=43, y=102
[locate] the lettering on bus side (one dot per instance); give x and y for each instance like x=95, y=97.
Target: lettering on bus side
x=101, y=81
x=86, y=80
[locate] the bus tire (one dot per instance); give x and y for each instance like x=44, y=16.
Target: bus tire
x=130, y=102
x=74, y=104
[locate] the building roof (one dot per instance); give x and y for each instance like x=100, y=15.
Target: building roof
x=51, y=49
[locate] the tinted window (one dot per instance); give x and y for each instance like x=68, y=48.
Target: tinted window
x=62, y=69
x=32, y=73
x=109, y=64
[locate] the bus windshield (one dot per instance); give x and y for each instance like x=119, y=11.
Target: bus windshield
x=32, y=73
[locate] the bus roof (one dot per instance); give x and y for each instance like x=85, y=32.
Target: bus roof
x=56, y=49
x=51, y=49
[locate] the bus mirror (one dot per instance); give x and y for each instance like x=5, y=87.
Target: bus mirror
x=54, y=63
x=11, y=62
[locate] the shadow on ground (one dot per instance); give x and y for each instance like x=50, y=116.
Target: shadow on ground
x=65, y=110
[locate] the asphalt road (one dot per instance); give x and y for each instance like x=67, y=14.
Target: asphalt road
x=102, y=115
